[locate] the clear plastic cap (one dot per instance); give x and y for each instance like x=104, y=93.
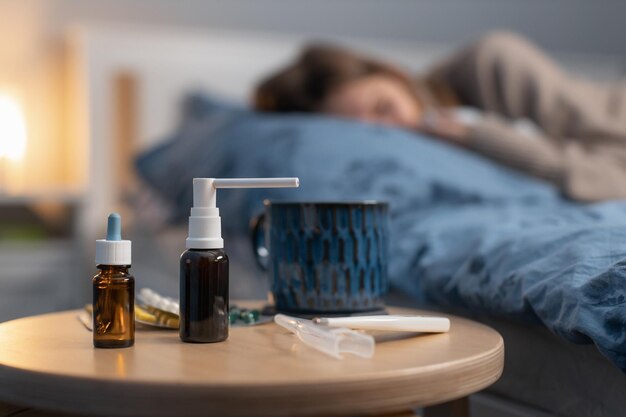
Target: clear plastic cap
x=331, y=341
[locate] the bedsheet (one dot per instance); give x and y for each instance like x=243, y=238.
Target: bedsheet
x=465, y=232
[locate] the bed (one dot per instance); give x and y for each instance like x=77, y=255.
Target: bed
x=129, y=83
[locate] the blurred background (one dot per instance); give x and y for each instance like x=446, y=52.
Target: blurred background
x=85, y=85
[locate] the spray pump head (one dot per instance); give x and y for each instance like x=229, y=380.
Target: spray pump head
x=205, y=229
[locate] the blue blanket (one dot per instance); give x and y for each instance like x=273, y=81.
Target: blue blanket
x=465, y=232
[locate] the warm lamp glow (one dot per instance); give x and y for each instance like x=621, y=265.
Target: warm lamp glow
x=12, y=129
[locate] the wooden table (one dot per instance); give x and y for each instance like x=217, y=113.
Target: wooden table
x=48, y=362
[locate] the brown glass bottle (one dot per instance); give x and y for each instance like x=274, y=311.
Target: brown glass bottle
x=204, y=295
x=113, y=307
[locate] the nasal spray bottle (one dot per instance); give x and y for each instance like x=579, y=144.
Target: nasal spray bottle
x=113, y=290
x=204, y=265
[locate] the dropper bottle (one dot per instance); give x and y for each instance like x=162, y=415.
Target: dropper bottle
x=204, y=265
x=113, y=290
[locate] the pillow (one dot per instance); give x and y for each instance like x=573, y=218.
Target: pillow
x=334, y=158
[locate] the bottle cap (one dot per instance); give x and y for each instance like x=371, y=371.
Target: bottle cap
x=205, y=227
x=113, y=250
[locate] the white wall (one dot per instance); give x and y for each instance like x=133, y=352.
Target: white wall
x=570, y=25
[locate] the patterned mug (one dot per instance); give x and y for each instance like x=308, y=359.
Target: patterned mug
x=324, y=257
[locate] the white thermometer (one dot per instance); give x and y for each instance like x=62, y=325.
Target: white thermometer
x=422, y=324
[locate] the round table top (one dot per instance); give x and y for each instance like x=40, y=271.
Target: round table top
x=48, y=361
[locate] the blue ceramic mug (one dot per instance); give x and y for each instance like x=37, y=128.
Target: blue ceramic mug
x=324, y=257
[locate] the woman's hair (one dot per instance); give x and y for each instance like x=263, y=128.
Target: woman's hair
x=306, y=83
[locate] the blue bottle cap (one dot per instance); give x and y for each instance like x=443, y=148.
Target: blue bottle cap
x=114, y=227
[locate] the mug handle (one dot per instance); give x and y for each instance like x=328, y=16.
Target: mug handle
x=257, y=235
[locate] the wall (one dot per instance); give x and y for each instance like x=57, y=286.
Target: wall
x=31, y=58
x=571, y=25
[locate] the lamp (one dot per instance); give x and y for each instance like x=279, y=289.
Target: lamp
x=12, y=139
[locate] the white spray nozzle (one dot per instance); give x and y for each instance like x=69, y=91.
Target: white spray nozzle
x=205, y=231
x=205, y=189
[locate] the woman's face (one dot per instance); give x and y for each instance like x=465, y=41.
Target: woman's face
x=378, y=99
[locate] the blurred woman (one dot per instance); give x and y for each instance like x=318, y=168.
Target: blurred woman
x=580, y=143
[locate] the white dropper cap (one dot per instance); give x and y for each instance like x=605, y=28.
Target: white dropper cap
x=205, y=228
x=113, y=250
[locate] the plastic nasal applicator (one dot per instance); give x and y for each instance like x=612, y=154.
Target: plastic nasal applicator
x=205, y=230
x=423, y=324
x=331, y=341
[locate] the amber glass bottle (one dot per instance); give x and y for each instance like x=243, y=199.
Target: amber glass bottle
x=204, y=295
x=113, y=307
